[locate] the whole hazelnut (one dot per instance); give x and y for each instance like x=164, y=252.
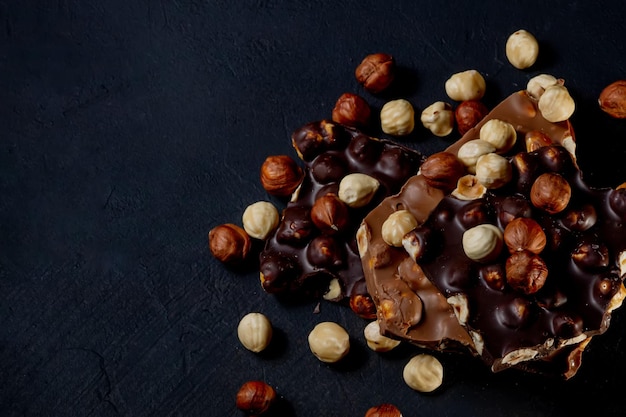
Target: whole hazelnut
x=260, y=219
x=442, y=170
x=539, y=83
x=363, y=306
x=376, y=341
x=398, y=224
x=556, y=104
x=229, y=243
x=550, y=192
x=500, y=134
x=383, y=410
x=351, y=110
x=468, y=114
x=612, y=99
x=482, y=243
x=254, y=332
x=397, y=118
x=536, y=139
x=325, y=252
x=524, y=234
x=526, y=272
x=466, y=85
x=255, y=397
x=330, y=214
x=376, y=72
x=493, y=170
x=522, y=49
x=471, y=150
x=280, y=175
x=591, y=255
x=438, y=118
x=423, y=373
x=357, y=190
x=329, y=342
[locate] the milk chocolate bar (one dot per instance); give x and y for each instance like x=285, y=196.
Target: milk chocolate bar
x=314, y=247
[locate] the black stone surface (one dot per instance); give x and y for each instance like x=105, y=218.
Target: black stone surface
x=128, y=129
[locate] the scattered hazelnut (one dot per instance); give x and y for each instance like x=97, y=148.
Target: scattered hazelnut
x=536, y=139
x=376, y=341
x=351, y=110
x=524, y=234
x=357, y=190
x=469, y=188
x=526, y=272
x=376, y=72
x=255, y=397
x=423, y=373
x=260, y=219
x=550, y=192
x=330, y=214
x=466, y=85
x=229, y=243
x=329, y=342
x=539, y=83
x=363, y=306
x=556, y=104
x=397, y=225
x=482, y=243
x=438, y=118
x=471, y=150
x=522, y=49
x=612, y=99
x=500, y=134
x=493, y=170
x=397, y=117
x=442, y=170
x=254, y=332
x=280, y=175
x=383, y=410
x=468, y=114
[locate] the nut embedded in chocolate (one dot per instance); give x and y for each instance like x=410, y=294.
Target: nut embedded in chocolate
x=550, y=192
x=468, y=113
x=526, y=272
x=330, y=214
x=442, y=170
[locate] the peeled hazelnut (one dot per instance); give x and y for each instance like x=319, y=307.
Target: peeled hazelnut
x=460, y=307
x=482, y=243
x=471, y=150
x=526, y=272
x=442, y=170
x=255, y=397
x=334, y=292
x=351, y=110
x=229, y=243
x=260, y=219
x=423, y=373
x=397, y=117
x=254, y=332
x=493, y=170
x=357, y=190
x=556, y=104
x=524, y=234
x=330, y=214
x=363, y=306
x=536, y=139
x=417, y=242
x=550, y=192
x=280, y=175
x=612, y=99
x=469, y=188
x=500, y=134
x=466, y=85
x=376, y=341
x=468, y=114
x=329, y=342
x=538, y=84
x=397, y=225
x=383, y=410
x=376, y=72
x=522, y=49
x=438, y=118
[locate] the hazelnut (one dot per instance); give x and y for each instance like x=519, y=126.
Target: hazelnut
x=254, y=332
x=417, y=242
x=357, y=190
x=522, y=49
x=524, y=234
x=460, y=307
x=556, y=104
x=621, y=260
x=397, y=225
x=500, y=134
x=550, y=192
x=383, y=410
x=612, y=99
x=330, y=214
x=515, y=313
x=260, y=219
x=229, y=243
x=376, y=341
x=493, y=275
x=471, y=150
x=363, y=306
x=325, y=252
x=482, y=243
x=423, y=373
x=580, y=219
x=469, y=188
x=526, y=272
x=376, y=72
x=397, y=117
x=493, y=170
x=468, y=114
x=536, y=139
x=351, y=110
x=255, y=397
x=538, y=84
x=591, y=255
x=280, y=175
x=329, y=342
x=466, y=85
x=442, y=170
x=438, y=118
x=334, y=292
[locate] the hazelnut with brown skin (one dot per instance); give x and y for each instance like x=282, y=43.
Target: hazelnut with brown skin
x=229, y=243
x=612, y=99
x=442, y=170
x=351, y=110
x=376, y=72
x=363, y=306
x=524, y=234
x=383, y=410
x=280, y=175
x=468, y=114
x=526, y=272
x=255, y=397
x=330, y=214
x=550, y=192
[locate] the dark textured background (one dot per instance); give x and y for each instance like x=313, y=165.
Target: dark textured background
x=128, y=129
